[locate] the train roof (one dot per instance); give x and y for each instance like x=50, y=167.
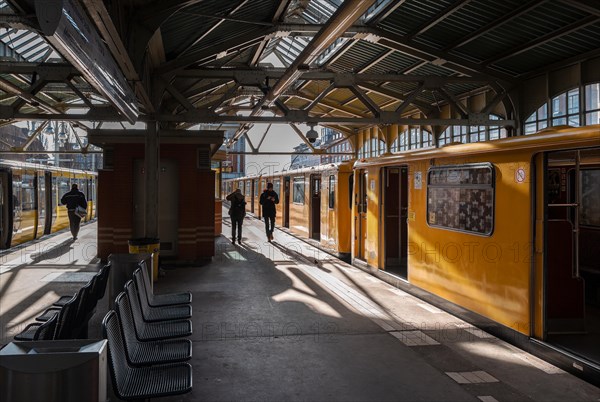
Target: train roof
x=302, y=170
x=37, y=166
x=549, y=139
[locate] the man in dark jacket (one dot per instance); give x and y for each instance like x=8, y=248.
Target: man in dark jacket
x=268, y=199
x=237, y=211
x=72, y=200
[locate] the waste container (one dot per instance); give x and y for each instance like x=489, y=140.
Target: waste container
x=147, y=245
x=122, y=268
x=69, y=370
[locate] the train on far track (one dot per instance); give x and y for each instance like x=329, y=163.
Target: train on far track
x=30, y=200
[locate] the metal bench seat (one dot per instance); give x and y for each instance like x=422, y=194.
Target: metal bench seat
x=131, y=383
x=150, y=331
x=141, y=353
x=155, y=314
x=157, y=300
x=99, y=286
x=39, y=331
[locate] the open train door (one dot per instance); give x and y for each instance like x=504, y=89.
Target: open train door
x=315, y=206
x=5, y=207
x=286, y=201
x=564, y=286
x=361, y=217
x=395, y=208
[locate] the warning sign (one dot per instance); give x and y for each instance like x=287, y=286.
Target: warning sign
x=520, y=175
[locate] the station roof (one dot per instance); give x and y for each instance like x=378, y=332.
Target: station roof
x=345, y=64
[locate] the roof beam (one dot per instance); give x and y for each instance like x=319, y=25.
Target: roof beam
x=340, y=21
x=283, y=6
x=197, y=39
x=104, y=23
x=365, y=100
x=391, y=7
x=229, y=46
x=432, y=55
x=568, y=29
x=453, y=7
x=295, y=116
x=589, y=6
x=320, y=97
x=517, y=12
x=424, y=107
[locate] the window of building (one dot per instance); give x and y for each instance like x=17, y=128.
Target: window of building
x=566, y=109
x=298, y=190
x=331, y=191
x=592, y=104
x=461, y=198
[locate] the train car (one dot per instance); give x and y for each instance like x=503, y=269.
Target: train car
x=508, y=229
x=30, y=200
x=314, y=203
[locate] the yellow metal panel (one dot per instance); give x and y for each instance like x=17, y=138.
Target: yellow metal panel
x=488, y=275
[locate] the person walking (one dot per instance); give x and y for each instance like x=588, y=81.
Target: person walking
x=237, y=212
x=268, y=199
x=72, y=200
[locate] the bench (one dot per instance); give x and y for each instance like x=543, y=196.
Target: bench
x=161, y=313
x=149, y=331
x=155, y=300
x=152, y=352
x=39, y=331
x=99, y=287
x=130, y=382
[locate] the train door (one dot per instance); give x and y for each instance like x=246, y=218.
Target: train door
x=361, y=218
x=571, y=253
x=286, y=202
x=42, y=208
x=48, y=202
x=5, y=207
x=395, y=206
x=249, y=195
x=315, y=207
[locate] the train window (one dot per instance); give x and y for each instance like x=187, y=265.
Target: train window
x=590, y=197
x=27, y=193
x=461, y=198
x=331, y=191
x=277, y=186
x=298, y=190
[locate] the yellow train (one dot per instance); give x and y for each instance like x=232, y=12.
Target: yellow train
x=508, y=229
x=314, y=203
x=30, y=200
x=503, y=228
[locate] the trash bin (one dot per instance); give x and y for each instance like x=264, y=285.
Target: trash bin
x=122, y=268
x=147, y=245
x=69, y=370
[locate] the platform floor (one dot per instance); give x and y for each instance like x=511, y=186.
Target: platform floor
x=285, y=321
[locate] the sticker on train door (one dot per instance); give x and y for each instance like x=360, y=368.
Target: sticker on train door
x=418, y=181
x=372, y=184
